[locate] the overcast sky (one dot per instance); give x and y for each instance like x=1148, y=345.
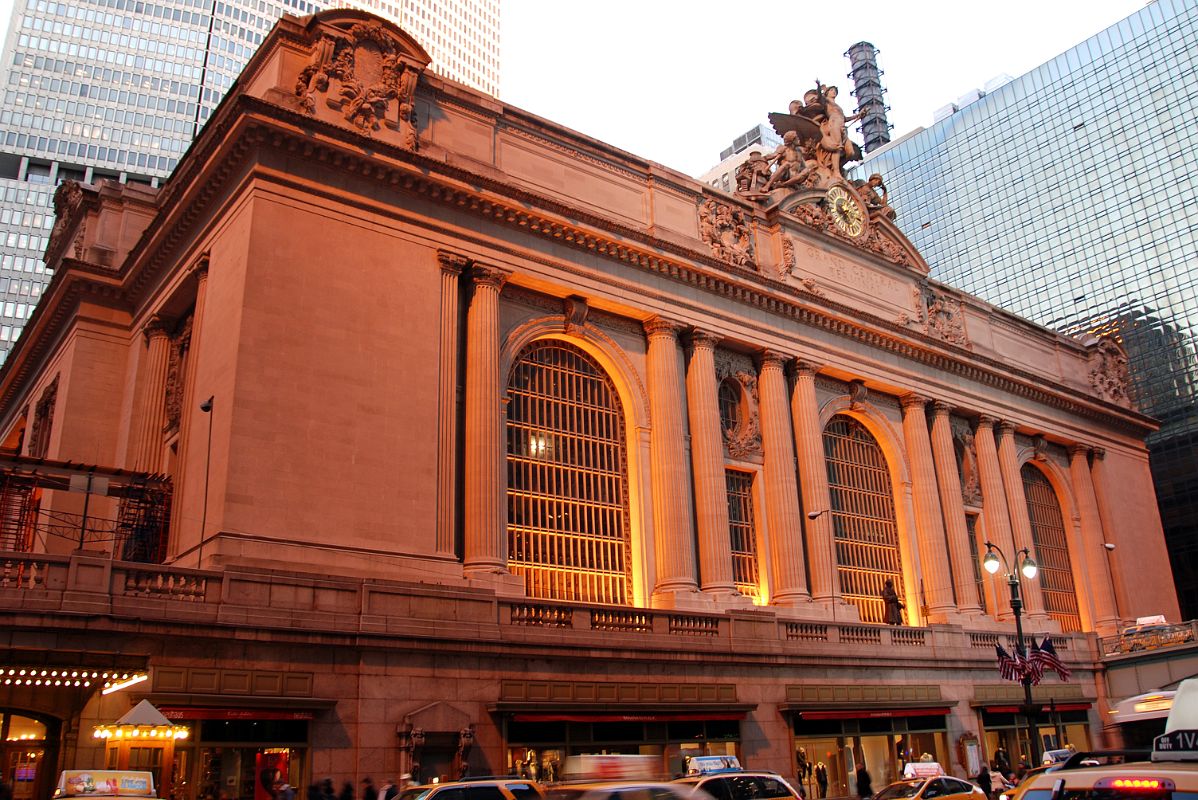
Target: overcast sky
x=676, y=82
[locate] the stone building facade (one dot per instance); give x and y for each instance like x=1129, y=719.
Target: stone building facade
x=403, y=431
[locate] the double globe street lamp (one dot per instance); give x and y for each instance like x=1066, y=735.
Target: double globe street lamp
x=1024, y=563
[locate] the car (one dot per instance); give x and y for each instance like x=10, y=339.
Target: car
x=1092, y=758
x=476, y=789
x=1134, y=780
x=740, y=784
x=626, y=790
x=942, y=787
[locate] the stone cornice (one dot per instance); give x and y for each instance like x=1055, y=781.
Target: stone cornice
x=259, y=124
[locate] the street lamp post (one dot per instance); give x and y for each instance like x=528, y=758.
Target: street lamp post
x=1027, y=565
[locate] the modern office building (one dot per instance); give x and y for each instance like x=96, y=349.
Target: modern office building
x=723, y=175
x=118, y=88
x=424, y=435
x=1068, y=196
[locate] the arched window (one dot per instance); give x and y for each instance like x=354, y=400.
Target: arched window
x=867, y=548
x=567, y=477
x=1052, y=552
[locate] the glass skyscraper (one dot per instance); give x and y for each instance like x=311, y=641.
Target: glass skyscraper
x=1070, y=196
x=118, y=88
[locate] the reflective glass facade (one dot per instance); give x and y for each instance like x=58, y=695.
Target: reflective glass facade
x=118, y=88
x=1068, y=196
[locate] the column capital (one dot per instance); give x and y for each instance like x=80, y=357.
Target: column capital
x=200, y=268
x=662, y=326
x=942, y=408
x=1006, y=427
x=805, y=369
x=1077, y=449
x=488, y=275
x=913, y=400
x=987, y=421
x=453, y=262
x=1099, y=453
x=156, y=325
x=772, y=358
x=707, y=340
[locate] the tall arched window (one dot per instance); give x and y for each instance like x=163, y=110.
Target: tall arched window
x=1052, y=552
x=867, y=547
x=567, y=477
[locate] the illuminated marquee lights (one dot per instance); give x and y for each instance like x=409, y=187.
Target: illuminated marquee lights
x=161, y=732
x=67, y=677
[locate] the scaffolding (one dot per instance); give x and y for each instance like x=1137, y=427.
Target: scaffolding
x=138, y=533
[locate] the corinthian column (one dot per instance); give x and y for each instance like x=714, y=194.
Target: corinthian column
x=146, y=448
x=673, y=529
x=485, y=545
x=781, y=491
x=452, y=266
x=813, y=480
x=929, y=520
x=1021, y=523
x=949, y=482
x=707, y=461
x=1094, y=560
x=994, y=504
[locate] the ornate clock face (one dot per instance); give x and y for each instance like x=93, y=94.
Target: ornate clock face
x=845, y=211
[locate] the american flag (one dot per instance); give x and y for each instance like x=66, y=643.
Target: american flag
x=1050, y=660
x=1035, y=664
x=1010, y=668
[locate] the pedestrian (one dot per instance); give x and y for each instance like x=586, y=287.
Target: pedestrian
x=821, y=779
x=5, y=790
x=390, y=790
x=326, y=790
x=369, y=792
x=983, y=781
x=347, y=791
x=314, y=792
x=865, y=785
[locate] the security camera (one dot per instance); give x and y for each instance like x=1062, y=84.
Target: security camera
x=206, y=406
x=1108, y=545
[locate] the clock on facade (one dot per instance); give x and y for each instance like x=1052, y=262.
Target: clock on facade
x=846, y=210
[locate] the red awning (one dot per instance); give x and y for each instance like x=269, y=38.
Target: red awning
x=650, y=716
x=875, y=713
x=196, y=712
x=1044, y=708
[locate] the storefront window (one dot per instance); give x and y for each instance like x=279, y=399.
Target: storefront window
x=828, y=751
x=242, y=759
x=1006, y=741
x=22, y=753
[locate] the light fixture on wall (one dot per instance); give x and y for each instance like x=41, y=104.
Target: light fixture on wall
x=206, y=407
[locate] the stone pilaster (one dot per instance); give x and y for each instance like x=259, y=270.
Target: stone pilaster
x=146, y=448
x=781, y=489
x=707, y=461
x=485, y=481
x=1094, y=560
x=813, y=482
x=929, y=520
x=1102, y=496
x=994, y=507
x=1021, y=523
x=190, y=407
x=452, y=265
x=673, y=528
x=949, y=482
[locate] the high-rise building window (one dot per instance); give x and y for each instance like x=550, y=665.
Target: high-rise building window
x=867, y=546
x=1052, y=550
x=743, y=530
x=568, y=533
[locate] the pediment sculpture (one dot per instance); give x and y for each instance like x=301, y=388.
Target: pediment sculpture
x=1109, y=374
x=368, y=72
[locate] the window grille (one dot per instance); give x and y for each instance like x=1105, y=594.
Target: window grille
x=867, y=551
x=567, y=492
x=729, y=405
x=975, y=558
x=1052, y=551
x=742, y=527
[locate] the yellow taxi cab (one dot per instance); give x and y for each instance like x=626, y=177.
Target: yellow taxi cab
x=943, y=787
x=1172, y=774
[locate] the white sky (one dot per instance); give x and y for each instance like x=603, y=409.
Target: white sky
x=676, y=82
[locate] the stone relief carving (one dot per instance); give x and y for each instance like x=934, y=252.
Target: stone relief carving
x=371, y=78
x=788, y=257
x=967, y=463
x=1109, y=375
x=1039, y=448
x=811, y=211
x=575, y=310
x=726, y=231
x=43, y=420
x=176, y=364
x=937, y=314
x=873, y=192
x=858, y=394
x=744, y=441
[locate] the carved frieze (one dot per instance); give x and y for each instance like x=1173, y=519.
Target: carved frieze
x=175, y=368
x=367, y=73
x=727, y=232
x=1109, y=375
x=937, y=314
x=43, y=420
x=788, y=257
x=743, y=440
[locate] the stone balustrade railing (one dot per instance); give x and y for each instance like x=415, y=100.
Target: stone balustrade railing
x=85, y=583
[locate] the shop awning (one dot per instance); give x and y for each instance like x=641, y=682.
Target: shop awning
x=871, y=713
x=177, y=707
x=574, y=712
x=1045, y=708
